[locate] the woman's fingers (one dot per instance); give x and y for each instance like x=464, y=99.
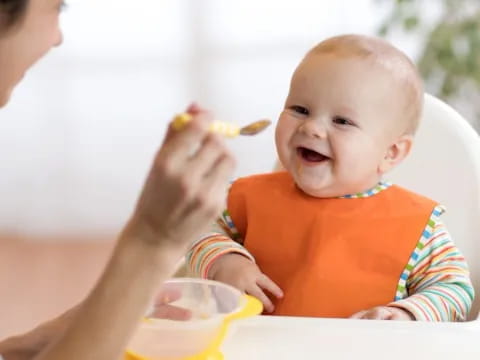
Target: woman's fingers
x=170, y=312
x=212, y=180
x=193, y=109
x=182, y=144
x=202, y=163
x=168, y=294
x=162, y=309
x=220, y=173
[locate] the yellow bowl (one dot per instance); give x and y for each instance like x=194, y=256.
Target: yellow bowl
x=189, y=319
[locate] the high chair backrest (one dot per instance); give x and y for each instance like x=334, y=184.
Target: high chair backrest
x=445, y=165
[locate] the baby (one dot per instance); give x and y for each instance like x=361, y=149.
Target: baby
x=328, y=237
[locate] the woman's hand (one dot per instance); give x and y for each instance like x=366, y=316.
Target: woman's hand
x=186, y=186
x=183, y=193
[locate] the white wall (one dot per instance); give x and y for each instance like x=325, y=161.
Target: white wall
x=79, y=134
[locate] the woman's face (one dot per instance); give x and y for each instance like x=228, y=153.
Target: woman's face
x=27, y=42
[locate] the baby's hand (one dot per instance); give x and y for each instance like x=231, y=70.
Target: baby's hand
x=384, y=313
x=242, y=273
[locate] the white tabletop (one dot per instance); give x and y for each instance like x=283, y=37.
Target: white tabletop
x=277, y=338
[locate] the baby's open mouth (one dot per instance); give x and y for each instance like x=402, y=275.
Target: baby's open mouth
x=311, y=155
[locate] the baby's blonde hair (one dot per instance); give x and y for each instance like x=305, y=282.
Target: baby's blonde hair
x=390, y=58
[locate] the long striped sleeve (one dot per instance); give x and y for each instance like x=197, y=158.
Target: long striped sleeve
x=436, y=285
x=222, y=239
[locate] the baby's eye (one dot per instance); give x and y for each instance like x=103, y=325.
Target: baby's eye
x=342, y=121
x=299, y=109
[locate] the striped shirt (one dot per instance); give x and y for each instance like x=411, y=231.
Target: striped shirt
x=435, y=284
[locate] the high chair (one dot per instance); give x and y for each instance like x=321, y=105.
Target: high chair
x=445, y=166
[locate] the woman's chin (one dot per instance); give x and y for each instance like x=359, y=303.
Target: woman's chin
x=4, y=98
x=5, y=95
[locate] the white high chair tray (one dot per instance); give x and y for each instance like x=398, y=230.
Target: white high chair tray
x=268, y=337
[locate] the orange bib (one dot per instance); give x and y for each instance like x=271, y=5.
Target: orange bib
x=331, y=257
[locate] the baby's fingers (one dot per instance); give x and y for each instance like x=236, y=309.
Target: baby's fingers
x=256, y=291
x=358, y=315
x=401, y=314
x=377, y=313
x=266, y=283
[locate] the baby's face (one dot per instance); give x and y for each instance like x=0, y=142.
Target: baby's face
x=337, y=124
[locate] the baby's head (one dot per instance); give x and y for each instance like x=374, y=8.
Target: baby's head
x=353, y=107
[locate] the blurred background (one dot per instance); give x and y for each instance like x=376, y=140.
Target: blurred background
x=78, y=136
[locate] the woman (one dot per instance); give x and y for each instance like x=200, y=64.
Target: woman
x=173, y=206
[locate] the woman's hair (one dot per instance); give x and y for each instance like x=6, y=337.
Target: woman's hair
x=11, y=12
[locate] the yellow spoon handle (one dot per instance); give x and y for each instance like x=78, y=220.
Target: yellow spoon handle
x=218, y=127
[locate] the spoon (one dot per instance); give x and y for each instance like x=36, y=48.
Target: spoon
x=224, y=128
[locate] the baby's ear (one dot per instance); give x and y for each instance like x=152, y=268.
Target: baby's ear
x=396, y=152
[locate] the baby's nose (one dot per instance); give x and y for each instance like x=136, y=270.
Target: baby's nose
x=314, y=128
